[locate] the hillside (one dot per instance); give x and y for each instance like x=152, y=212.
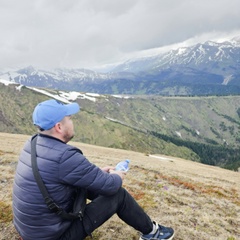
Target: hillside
x=17, y=105
x=200, y=202
x=151, y=124
x=202, y=129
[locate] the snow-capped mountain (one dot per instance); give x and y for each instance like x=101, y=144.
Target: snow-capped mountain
x=205, y=68
x=208, y=56
x=63, y=79
x=32, y=77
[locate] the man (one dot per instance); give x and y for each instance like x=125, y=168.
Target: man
x=63, y=169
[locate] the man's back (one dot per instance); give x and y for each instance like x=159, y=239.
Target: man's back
x=62, y=168
x=31, y=216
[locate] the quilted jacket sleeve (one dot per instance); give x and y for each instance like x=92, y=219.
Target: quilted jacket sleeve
x=76, y=170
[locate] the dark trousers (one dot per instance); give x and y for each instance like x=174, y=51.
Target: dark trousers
x=101, y=208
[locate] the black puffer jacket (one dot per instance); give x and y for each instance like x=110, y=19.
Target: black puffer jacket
x=62, y=168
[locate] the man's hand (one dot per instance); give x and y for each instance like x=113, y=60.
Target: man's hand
x=111, y=170
x=107, y=169
x=121, y=174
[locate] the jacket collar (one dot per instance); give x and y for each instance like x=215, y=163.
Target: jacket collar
x=51, y=137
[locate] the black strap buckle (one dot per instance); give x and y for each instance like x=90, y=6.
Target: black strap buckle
x=52, y=206
x=80, y=215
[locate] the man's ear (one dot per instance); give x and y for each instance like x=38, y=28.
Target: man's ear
x=58, y=127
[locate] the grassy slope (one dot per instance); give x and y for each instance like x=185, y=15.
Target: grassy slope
x=200, y=202
x=212, y=116
x=16, y=117
x=202, y=120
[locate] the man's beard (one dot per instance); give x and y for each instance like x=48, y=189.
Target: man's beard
x=67, y=137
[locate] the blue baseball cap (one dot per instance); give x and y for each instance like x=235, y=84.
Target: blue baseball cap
x=46, y=114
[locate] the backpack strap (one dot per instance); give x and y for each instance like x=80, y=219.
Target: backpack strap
x=80, y=201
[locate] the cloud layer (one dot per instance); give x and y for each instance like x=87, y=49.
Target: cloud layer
x=86, y=33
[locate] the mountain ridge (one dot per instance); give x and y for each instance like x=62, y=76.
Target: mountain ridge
x=208, y=68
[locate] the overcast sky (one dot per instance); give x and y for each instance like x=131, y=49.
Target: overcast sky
x=88, y=33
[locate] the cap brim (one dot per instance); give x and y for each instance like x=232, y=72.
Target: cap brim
x=72, y=108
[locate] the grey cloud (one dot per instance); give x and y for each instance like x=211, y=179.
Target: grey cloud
x=86, y=33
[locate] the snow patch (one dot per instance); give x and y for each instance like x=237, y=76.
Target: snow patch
x=19, y=88
x=7, y=82
x=226, y=80
x=71, y=96
x=94, y=94
x=161, y=157
x=85, y=96
x=181, y=51
x=121, y=96
x=66, y=97
x=55, y=96
x=179, y=134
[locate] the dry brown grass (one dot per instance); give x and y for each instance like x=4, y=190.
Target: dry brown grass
x=198, y=201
